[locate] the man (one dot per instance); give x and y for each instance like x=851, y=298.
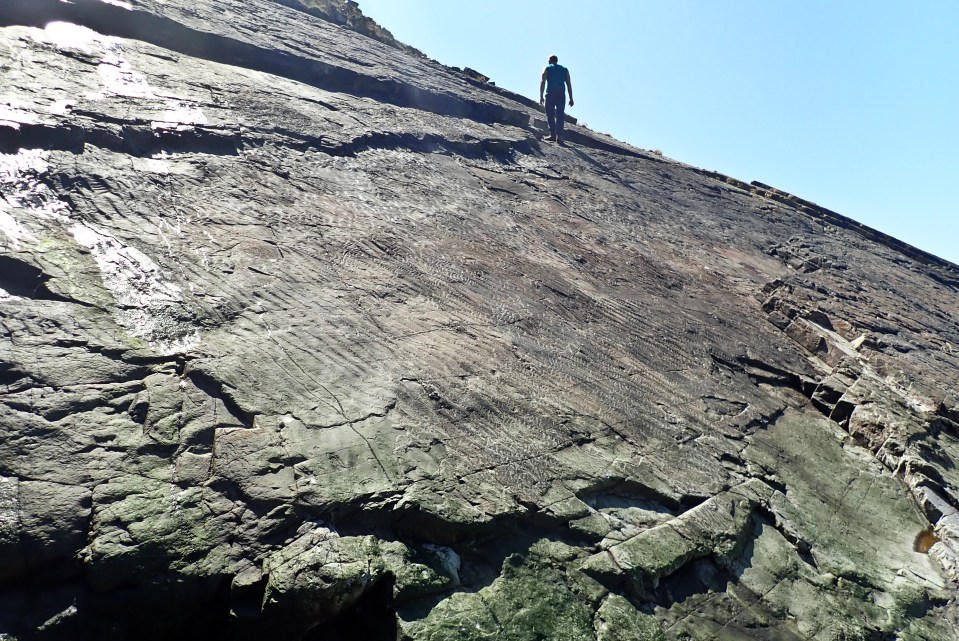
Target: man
x=555, y=80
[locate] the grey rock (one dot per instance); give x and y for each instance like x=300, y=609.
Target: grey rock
x=304, y=335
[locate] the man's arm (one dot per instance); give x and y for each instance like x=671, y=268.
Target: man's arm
x=569, y=85
x=542, y=86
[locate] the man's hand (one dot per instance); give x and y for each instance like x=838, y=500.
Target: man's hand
x=570, y=102
x=542, y=101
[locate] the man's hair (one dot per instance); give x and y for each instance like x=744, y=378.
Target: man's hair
x=553, y=59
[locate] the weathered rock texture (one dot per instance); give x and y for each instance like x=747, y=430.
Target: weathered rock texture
x=306, y=336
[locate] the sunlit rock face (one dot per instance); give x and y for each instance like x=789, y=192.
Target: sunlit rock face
x=304, y=336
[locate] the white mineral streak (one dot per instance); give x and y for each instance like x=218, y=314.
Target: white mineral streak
x=155, y=165
x=146, y=304
x=12, y=166
x=180, y=117
x=168, y=346
x=9, y=226
x=448, y=557
x=66, y=35
x=119, y=3
x=147, y=307
x=61, y=107
x=118, y=77
x=9, y=504
x=21, y=189
x=13, y=117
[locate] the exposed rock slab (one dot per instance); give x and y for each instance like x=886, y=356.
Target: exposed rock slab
x=304, y=333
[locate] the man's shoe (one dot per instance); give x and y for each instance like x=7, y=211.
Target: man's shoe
x=559, y=140
x=552, y=137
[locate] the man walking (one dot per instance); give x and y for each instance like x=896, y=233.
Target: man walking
x=555, y=80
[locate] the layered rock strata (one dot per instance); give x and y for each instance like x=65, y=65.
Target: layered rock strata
x=304, y=335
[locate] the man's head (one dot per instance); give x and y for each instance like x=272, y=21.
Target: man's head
x=553, y=59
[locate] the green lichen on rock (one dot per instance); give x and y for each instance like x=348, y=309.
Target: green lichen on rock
x=859, y=524
x=317, y=575
x=936, y=625
x=421, y=571
x=718, y=527
x=314, y=328
x=144, y=526
x=620, y=620
x=656, y=553
x=162, y=404
x=533, y=598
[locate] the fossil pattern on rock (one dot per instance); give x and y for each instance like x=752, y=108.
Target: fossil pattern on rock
x=303, y=334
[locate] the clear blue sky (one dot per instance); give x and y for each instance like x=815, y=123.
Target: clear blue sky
x=851, y=104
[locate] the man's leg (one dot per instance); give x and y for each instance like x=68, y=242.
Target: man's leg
x=551, y=115
x=560, y=116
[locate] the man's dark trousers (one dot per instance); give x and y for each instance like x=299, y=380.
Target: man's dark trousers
x=556, y=112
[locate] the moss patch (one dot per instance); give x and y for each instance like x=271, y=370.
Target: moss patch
x=533, y=599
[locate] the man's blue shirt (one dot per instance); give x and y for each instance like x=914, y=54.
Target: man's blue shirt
x=556, y=79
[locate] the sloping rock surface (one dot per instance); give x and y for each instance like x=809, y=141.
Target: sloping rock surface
x=304, y=336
